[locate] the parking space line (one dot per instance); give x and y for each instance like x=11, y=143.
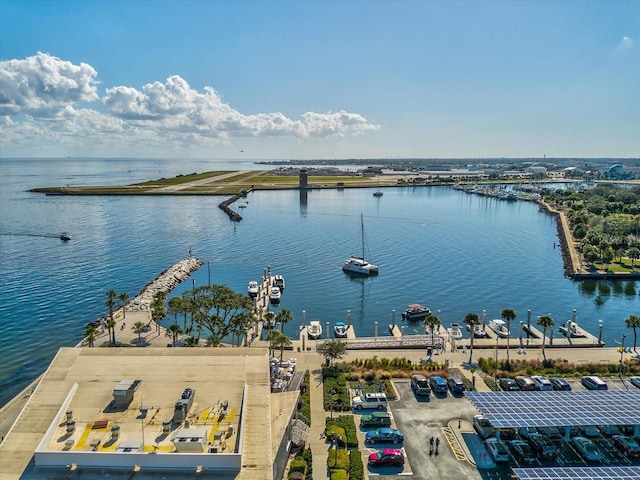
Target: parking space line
x=455, y=446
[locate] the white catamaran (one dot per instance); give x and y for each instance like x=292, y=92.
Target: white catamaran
x=358, y=265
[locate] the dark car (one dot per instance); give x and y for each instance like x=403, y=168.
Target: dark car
x=542, y=445
x=525, y=383
x=522, y=451
x=456, y=385
x=635, y=381
x=609, y=430
x=388, y=456
x=551, y=432
x=376, y=419
x=483, y=426
x=508, y=385
x=559, y=383
x=384, y=435
x=420, y=385
x=627, y=445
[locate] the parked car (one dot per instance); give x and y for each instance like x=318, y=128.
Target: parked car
x=592, y=382
x=370, y=400
x=609, y=430
x=589, y=431
x=542, y=383
x=438, y=384
x=522, y=451
x=420, y=385
x=508, y=385
x=498, y=450
x=525, y=383
x=483, y=426
x=506, y=433
x=542, y=445
x=627, y=445
x=551, y=432
x=559, y=383
x=388, y=456
x=524, y=432
x=456, y=385
x=376, y=419
x=587, y=449
x=383, y=435
x=635, y=381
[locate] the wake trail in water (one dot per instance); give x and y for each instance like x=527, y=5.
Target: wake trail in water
x=38, y=235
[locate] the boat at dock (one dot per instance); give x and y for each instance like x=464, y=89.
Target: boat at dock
x=478, y=332
x=253, y=289
x=358, y=265
x=314, y=330
x=499, y=327
x=415, y=312
x=454, y=331
x=570, y=330
x=340, y=329
x=278, y=281
x=275, y=295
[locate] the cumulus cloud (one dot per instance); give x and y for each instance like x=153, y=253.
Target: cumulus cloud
x=44, y=86
x=55, y=97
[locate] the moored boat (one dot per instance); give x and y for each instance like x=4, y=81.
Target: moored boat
x=377, y=193
x=314, y=330
x=454, y=331
x=253, y=289
x=278, y=281
x=340, y=329
x=478, y=332
x=415, y=311
x=275, y=295
x=499, y=327
x=570, y=329
x=358, y=265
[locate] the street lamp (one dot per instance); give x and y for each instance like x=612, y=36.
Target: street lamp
x=333, y=392
x=624, y=335
x=495, y=374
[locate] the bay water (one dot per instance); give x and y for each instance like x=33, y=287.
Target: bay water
x=453, y=252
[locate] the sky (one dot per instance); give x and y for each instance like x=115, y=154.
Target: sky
x=258, y=79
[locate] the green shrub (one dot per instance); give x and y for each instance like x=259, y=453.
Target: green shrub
x=308, y=458
x=338, y=458
x=339, y=474
x=356, y=467
x=348, y=424
x=298, y=465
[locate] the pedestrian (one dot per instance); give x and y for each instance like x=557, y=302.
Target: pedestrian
x=431, y=442
x=437, y=444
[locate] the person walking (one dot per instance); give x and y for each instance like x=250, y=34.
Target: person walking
x=437, y=444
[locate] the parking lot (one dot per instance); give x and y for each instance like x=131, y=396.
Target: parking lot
x=437, y=416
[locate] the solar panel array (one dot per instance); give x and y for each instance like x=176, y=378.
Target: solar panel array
x=558, y=408
x=583, y=473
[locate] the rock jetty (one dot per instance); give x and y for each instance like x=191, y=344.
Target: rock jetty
x=165, y=282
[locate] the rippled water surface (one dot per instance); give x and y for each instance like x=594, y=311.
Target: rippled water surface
x=451, y=251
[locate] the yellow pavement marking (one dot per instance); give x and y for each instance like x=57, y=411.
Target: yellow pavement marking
x=453, y=444
x=82, y=441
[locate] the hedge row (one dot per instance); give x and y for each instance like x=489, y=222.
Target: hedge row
x=335, y=381
x=302, y=464
x=347, y=423
x=356, y=467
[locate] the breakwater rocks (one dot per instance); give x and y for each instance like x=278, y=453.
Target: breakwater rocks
x=165, y=282
x=224, y=206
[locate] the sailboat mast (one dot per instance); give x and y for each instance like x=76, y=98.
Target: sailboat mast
x=362, y=230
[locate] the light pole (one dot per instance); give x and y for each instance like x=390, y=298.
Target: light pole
x=495, y=374
x=624, y=335
x=333, y=392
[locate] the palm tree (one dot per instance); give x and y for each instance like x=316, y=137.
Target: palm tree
x=633, y=321
x=138, y=328
x=176, y=306
x=124, y=296
x=272, y=336
x=472, y=320
x=432, y=322
x=173, y=331
x=545, y=321
x=90, y=334
x=284, y=316
x=280, y=341
x=110, y=303
x=270, y=319
x=110, y=323
x=508, y=315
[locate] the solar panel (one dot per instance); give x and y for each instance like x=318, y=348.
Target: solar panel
x=558, y=408
x=583, y=473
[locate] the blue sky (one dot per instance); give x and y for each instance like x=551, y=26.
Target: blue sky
x=320, y=79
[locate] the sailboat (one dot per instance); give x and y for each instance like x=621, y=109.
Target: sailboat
x=358, y=265
x=378, y=193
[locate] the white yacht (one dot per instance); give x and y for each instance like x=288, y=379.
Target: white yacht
x=275, y=295
x=253, y=289
x=314, y=330
x=278, y=281
x=455, y=332
x=499, y=327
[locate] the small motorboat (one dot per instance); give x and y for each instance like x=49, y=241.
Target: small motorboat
x=499, y=327
x=415, y=311
x=253, y=289
x=278, y=281
x=275, y=295
x=314, y=330
x=479, y=331
x=454, y=331
x=377, y=193
x=340, y=330
x=65, y=237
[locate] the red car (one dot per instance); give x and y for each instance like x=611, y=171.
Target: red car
x=388, y=456
x=626, y=445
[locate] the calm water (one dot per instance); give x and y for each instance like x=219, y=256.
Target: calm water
x=454, y=252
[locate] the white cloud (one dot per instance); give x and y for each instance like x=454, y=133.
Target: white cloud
x=47, y=98
x=625, y=44
x=44, y=86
